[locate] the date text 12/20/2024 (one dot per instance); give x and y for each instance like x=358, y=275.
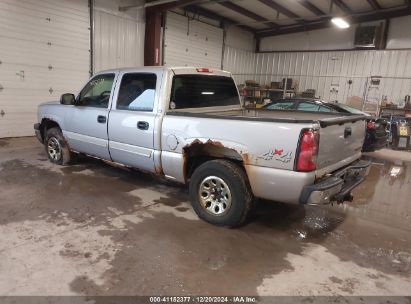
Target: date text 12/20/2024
x=203, y=299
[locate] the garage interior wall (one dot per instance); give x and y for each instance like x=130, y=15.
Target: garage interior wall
x=118, y=36
x=189, y=42
x=296, y=56
x=44, y=53
x=239, y=53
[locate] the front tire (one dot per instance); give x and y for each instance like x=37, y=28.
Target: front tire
x=57, y=148
x=220, y=193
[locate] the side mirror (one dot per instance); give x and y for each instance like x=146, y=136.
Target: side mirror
x=68, y=99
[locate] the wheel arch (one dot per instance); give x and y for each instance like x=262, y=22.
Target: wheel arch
x=199, y=152
x=46, y=124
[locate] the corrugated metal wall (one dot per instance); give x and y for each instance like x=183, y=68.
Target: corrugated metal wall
x=239, y=62
x=239, y=56
x=118, y=40
x=321, y=70
x=190, y=42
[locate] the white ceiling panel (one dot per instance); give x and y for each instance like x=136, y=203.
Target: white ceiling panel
x=358, y=6
x=391, y=3
x=262, y=10
x=228, y=13
x=324, y=5
x=295, y=7
x=266, y=12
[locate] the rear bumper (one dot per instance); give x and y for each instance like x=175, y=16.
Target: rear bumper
x=336, y=187
x=38, y=132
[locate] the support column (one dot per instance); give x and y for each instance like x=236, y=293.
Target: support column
x=152, y=37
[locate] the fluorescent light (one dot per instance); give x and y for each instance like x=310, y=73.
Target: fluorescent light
x=207, y=93
x=340, y=22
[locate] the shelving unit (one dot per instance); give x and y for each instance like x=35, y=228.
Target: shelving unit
x=264, y=93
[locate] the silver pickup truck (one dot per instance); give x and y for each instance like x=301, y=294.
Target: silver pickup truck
x=187, y=125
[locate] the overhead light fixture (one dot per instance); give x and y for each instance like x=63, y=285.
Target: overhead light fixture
x=340, y=22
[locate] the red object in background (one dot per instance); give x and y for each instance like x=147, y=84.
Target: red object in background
x=370, y=125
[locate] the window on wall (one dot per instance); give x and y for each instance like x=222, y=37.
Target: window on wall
x=137, y=92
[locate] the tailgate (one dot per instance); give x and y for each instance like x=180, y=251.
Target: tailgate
x=340, y=143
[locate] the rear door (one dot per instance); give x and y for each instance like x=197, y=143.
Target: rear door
x=86, y=122
x=132, y=119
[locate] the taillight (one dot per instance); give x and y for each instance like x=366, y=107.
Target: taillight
x=370, y=125
x=204, y=70
x=308, y=151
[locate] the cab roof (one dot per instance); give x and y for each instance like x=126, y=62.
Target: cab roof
x=177, y=70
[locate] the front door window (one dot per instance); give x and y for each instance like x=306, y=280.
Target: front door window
x=97, y=92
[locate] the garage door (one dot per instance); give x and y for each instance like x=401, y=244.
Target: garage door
x=190, y=42
x=44, y=52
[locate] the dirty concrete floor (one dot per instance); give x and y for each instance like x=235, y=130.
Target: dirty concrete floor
x=93, y=229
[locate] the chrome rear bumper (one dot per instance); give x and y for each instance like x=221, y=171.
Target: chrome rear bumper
x=336, y=187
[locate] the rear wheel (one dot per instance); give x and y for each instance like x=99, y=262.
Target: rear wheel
x=220, y=193
x=57, y=148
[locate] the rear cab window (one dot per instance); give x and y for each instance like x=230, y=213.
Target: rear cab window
x=199, y=91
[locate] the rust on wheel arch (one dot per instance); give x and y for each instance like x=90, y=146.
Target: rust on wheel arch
x=211, y=148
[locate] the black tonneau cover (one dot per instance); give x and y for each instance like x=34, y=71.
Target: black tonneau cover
x=325, y=119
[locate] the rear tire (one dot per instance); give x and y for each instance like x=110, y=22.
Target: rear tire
x=57, y=148
x=220, y=193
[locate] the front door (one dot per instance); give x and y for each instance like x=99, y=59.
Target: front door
x=86, y=123
x=132, y=120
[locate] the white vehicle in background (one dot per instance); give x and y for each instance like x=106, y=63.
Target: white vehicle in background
x=187, y=125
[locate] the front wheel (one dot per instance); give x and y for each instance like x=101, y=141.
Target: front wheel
x=57, y=148
x=220, y=193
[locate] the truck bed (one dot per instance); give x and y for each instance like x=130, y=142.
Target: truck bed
x=324, y=118
x=341, y=134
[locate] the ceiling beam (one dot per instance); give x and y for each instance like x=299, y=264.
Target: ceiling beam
x=311, y=7
x=241, y=10
x=281, y=9
x=160, y=5
x=209, y=14
x=374, y=4
x=175, y=4
x=344, y=7
x=326, y=23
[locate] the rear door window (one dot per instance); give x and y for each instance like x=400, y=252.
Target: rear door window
x=137, y=92
x=198, y=91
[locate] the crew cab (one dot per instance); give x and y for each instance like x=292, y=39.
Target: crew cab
x=187, y=125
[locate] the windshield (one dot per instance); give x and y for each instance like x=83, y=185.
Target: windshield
x=198, y=91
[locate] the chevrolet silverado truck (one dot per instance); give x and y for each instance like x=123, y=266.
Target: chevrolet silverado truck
x=188, y=125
